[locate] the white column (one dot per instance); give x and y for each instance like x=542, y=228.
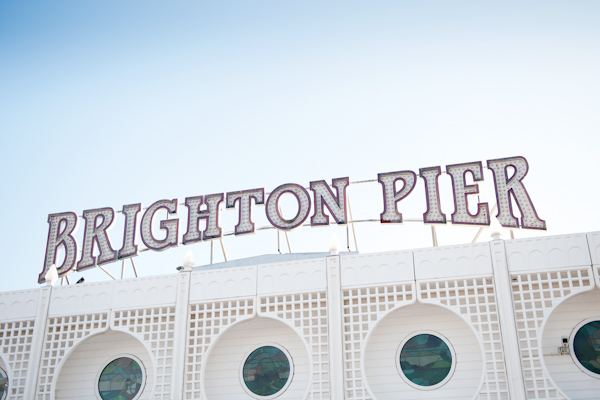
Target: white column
x=180, y=334
x=508, y=326
x=334, y=311
x=37, y=342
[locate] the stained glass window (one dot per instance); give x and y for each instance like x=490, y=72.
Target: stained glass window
x=266, y=371
x=3, y=384
x=121, y=379
x=425, y=360
x=586, y=346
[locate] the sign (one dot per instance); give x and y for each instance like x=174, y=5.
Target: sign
x=508, y=178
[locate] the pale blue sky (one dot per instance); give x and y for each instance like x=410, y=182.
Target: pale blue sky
x=106, y=103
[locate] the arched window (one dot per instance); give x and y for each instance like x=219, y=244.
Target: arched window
x=586, y=347
x=3, y=384
x=426, y=361
x=122, y=378
x=267, y=372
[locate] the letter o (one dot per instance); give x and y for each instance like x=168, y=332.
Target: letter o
x=272, y=206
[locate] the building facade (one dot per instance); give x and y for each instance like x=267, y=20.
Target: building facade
x=514, y=319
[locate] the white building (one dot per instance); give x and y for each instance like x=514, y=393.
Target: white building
x=495, y=320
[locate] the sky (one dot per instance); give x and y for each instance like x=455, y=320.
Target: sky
x=107, y=103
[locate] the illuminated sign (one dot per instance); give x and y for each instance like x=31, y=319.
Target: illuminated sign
x=508, y=177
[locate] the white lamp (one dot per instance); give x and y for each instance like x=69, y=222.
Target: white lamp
x=334, y=245
x=52, y=275
x=188, y=261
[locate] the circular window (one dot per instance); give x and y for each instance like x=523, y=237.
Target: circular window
x=426, y=361
x=3, y=384
x=586, y=347
x=267, y=372
x=121, y=379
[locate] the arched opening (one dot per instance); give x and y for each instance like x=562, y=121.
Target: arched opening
x=79, y=375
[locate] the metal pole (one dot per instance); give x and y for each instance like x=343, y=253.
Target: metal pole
x=347, y=237
x=223, y=248
x=123, y=269
x=434, y=236
x=287, y=238
x=134, y=268
x=278, y=242
x=108, y=273
x=212, y=250
x=481, y=229
x=477, y=236
x=288, y=241
x=353, y=227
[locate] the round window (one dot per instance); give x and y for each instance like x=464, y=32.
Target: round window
x=426, y=361
x=586, y=347
x=267, y=372
x=121, y=379
x=3, y=384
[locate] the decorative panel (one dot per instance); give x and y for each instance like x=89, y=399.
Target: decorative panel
x=205, y=322
x=378, y=268
x=15, y=346
x=81, y=299
x=144, y=292
x=306, y=275
x=453, y=261
x=223, y=283
x=307, y=312
x=475, y=300
x=18, y=305
x=361, y=310
x=62, y=334
x=543, y=253
x=535, y=296
x=593, y=239
x=155, y=327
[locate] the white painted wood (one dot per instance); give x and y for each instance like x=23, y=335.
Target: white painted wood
x=381, y=370
x=179, y=340
x=452, y=261
x=338, y=307
x=18, y=305
x=292, y=277
x=144, y=292
x=222, y=370
x=376, y=268
x=334, y=308
x=545, y=253
x=562, y=368
x=593, y=239
x=35, y=353
x=223, y=283
x=77, y=378
x=508, y=327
